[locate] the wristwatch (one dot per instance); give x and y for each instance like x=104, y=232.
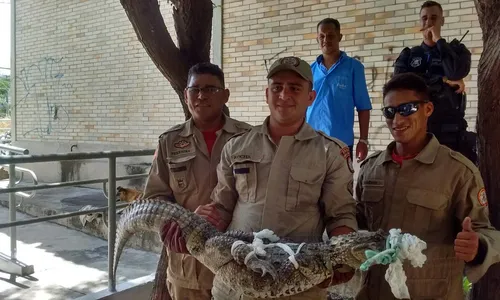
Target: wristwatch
x=364, y=141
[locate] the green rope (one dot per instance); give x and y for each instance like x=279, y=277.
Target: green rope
x=389, y=255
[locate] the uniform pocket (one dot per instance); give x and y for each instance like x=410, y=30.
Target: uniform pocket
x=304, y=189
x=182, y=178
x=373, y=206
x=428, y=210
x=245, y=175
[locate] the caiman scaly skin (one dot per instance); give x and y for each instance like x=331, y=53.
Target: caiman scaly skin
x=268, y=274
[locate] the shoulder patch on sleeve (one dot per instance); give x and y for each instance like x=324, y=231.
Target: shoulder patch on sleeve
x=172, y=129
x=464, y=160
x=481, y=197
x=374, y=155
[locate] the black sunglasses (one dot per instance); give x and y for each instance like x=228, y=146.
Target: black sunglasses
x=405, y=109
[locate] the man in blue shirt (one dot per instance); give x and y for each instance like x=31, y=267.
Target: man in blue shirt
x=340, y=85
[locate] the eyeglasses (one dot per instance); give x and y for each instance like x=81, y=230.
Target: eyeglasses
x=206, y=90
x=405, y=109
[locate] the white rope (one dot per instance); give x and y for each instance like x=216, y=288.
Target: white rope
x=410, y=247
x=258, y=247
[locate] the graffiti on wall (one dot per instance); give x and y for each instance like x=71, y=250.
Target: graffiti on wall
x=268, y=61
x=44, y=90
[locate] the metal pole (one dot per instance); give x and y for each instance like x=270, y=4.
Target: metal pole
x=14, y=149
x=111, y=221
x=23, y=159
x=58, y=216
x=12, y=216
x=13, y=72
x=217, y=32
x=65, y=184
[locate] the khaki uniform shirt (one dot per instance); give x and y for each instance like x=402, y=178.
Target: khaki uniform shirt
x=428, y=196
x=182, y=168
x=296, y=189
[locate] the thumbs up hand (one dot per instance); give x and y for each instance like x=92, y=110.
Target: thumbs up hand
x=466, y=242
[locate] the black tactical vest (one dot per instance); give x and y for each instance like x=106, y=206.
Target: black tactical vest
x=449, y=107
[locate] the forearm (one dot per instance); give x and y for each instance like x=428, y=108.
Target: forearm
x=456, y=65
x=341, y=230
x=224, y=214
x=364, y=123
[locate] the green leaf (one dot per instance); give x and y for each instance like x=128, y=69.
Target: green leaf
x=466, y=285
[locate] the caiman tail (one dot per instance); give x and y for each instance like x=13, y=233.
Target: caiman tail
x=150, y=215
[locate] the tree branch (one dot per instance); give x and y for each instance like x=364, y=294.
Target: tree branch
x=193, y=25
x=151, y=31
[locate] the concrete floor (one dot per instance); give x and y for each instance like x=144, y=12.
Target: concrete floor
x=68, y=263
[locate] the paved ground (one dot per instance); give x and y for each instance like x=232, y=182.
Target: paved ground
x=68, y=263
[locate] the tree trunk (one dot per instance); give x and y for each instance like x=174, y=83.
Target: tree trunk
x=488, y=126
x=193, y=25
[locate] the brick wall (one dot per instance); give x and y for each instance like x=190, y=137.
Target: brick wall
x=83, y=76
x=255, y=31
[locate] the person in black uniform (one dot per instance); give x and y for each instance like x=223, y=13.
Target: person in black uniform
x=443, y=65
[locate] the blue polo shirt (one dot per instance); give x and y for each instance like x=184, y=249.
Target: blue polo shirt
x=338, y=91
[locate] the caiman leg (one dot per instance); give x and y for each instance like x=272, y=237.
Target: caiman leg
x=240, y=235
x=246, y=255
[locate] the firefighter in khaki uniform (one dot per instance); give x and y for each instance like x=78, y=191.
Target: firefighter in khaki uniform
x=429, y=190
x=285, y=176
x=184, y=168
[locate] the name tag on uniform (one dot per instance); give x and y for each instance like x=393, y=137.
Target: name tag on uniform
x=371, y=182
x=242, y=171
x=178, y=169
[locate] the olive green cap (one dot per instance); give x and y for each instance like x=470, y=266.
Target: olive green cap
x=292, y=63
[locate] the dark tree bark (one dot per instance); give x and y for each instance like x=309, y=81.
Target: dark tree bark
x=488, y=130
x=193, y=25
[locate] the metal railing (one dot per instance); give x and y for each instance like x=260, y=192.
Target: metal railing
x=111, y=196
x=14, y=266
x=34, y=179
